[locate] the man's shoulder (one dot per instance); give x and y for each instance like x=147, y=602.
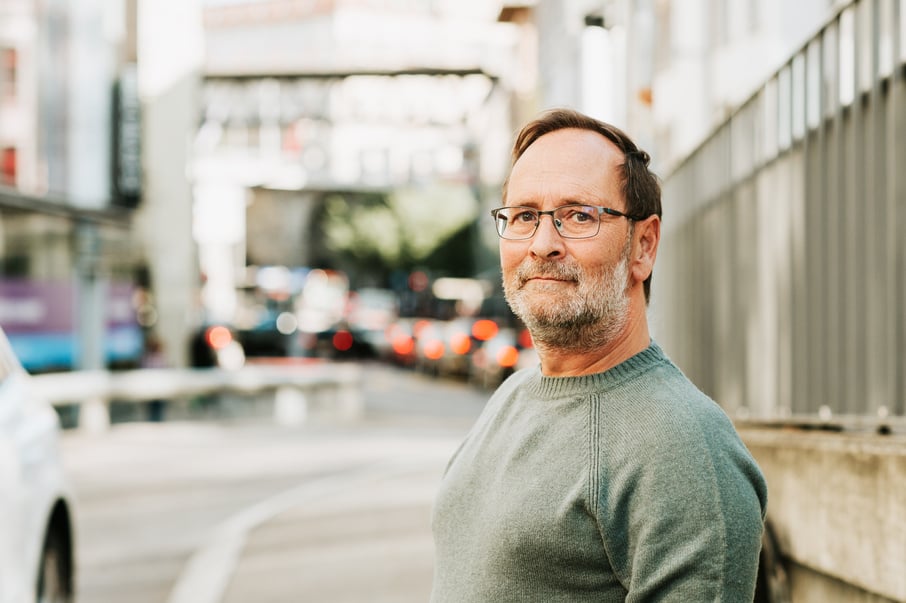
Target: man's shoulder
x=660, y=407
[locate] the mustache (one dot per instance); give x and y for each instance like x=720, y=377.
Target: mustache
x=556, y=270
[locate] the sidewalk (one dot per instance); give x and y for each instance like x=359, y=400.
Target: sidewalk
x=359, y=535
x=369, y=542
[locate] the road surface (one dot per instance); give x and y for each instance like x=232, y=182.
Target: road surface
x=247, y=511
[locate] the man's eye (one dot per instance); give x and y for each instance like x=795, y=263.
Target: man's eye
x=577, y=215
x=525, y=216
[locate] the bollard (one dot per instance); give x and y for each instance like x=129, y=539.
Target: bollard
x=94, y=416
x=290, y=406
x=350, y=404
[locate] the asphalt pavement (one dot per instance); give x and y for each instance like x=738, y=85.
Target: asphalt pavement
x=249, y=511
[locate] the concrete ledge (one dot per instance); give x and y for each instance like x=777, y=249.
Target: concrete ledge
x=324, y=389
x=837, y=502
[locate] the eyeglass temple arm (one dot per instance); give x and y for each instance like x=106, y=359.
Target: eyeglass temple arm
x=619, y=214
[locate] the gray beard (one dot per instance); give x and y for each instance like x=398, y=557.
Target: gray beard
x=592, y=315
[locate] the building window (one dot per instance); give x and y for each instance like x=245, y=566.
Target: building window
x=8, y=166
x=8, y=63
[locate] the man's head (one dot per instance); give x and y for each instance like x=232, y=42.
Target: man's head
x=576, y=277
x=641, y=189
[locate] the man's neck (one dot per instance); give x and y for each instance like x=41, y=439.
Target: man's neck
x=562, y=362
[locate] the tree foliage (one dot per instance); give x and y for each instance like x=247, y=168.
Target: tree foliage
x=425, y=227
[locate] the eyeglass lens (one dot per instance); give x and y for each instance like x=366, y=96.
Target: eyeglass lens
x=572, y=221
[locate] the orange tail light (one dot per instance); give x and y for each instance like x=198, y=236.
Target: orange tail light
x=507, y=356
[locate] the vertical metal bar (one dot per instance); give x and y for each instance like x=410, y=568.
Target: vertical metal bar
x=836, y=199
x=812, y=159
x=896, y=211
x=738, y=311
x=877, y=392
x=784, y=132
x=805, y=401
x=784, y=306
x=855, y=356
x=828, y=394
x=767, y=295
x=806, y=280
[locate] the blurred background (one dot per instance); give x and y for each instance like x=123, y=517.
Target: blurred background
x=167, y=166
x=224, y=184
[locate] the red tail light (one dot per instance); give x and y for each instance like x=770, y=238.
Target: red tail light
x=342, y=340
x=218, y=337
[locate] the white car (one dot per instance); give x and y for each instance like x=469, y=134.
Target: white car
x=36, y=523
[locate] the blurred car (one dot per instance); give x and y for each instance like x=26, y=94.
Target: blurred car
x=37, y=553
x=339, y=342
x=400, y=336
x=272, y=336
x=508, y=350
x=445, y=347
x=371, y=312
x=215, y=346
x=429, y=345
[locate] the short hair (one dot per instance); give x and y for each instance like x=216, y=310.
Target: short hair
x=640, y=187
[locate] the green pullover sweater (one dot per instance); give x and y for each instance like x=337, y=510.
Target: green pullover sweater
x=627, y=485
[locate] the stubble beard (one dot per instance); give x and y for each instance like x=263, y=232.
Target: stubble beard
x=588, y=317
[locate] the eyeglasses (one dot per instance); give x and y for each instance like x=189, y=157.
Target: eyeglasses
x=573, y=221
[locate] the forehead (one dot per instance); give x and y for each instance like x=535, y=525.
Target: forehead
x=567, y=165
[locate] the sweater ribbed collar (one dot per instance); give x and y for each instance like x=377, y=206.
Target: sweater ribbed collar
x=558, y=387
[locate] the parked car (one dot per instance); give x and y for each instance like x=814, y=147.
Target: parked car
x=401, y=336
x=37, y=553
x=506, y=351
x=371, y=313
x=442, y=347
x=339, y=341
x=216, y=346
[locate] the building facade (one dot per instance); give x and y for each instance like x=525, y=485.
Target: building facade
x=70, y=176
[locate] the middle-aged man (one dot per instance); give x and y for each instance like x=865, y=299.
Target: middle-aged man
x=603, y=474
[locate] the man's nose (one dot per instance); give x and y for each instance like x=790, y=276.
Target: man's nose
x=547, y=241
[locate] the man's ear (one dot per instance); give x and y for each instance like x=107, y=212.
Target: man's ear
x=644, y=249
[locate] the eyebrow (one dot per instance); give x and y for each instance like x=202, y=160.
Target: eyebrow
x=533, y=203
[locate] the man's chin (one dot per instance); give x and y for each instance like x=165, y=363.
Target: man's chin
x=548, y=317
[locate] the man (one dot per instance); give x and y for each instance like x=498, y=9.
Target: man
x=603, y=474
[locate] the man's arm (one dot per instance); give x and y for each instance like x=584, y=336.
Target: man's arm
x=682, y=508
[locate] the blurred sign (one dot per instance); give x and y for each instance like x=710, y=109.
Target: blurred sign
x=127, y=129
x=39, y=320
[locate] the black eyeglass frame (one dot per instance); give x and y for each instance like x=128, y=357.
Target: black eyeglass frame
x=600, y=209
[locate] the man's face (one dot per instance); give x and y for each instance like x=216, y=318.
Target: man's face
x=571, y=293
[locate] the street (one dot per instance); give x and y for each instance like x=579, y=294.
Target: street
x=245, y=510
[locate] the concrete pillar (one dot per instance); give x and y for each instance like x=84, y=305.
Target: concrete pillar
x=170, y=54
x=91, y=296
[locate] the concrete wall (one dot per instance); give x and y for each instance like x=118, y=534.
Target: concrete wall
x=837, y=504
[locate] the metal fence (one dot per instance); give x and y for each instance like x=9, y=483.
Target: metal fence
x=781, y=280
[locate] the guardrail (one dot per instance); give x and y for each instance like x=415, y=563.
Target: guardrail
x=299, y=391
x=782, y=270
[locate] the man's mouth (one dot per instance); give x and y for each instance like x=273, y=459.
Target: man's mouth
x=547, y=274
x=547, y=279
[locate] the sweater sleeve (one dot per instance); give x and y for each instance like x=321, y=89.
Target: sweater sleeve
x=680, y=502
